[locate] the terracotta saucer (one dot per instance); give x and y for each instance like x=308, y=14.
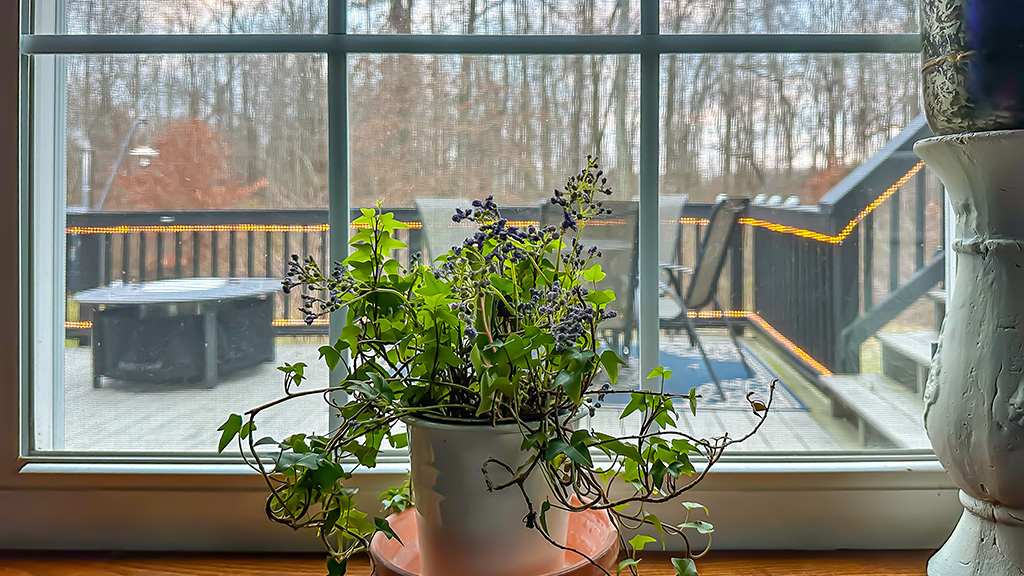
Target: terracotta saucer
x=590, y=531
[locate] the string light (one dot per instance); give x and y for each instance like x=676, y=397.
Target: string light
x=786, y=343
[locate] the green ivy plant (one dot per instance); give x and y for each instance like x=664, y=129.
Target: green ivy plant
x=503, y=328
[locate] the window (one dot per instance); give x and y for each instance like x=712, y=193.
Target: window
x=177, y=152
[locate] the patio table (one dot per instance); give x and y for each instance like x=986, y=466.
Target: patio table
x=180, y=330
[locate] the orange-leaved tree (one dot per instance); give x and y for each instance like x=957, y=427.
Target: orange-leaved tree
x=192, y=171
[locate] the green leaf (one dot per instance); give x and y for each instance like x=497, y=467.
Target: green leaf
x=601, y=297
x=336, y=567
x=246, y=429
x=626, y=564
x=699, y=525
x=611, y=362
x=383, y=526
x=264, y=441
x=693, y=401
x=571, y=383
x=231, y=427
x=695, y=506
x=544, y=515
x=400, y=441
x=577, y=453
x=657, y=524
x=330, y=355
x=639, y=541
x=637, y=401
x=684, y=567
x=594, y=274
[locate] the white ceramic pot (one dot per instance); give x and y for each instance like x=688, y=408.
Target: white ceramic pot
x=463, y=528
x=974, y=400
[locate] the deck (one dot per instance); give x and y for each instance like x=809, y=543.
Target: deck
x=173, y=418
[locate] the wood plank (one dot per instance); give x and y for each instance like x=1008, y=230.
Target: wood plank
x=717, y=563
x=887, y=407
x=916, y=346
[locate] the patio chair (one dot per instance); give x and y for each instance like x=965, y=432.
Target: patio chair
x=703, y=288
x=439, y=232
x=615, y=235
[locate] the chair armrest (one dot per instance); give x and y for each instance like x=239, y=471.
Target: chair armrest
x=675, y=268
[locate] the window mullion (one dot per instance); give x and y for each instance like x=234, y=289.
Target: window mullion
x=648, y=226
x=338, y=211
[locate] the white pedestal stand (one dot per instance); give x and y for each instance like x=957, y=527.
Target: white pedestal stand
x=974, y=400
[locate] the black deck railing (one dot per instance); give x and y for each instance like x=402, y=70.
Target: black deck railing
x=804, y=270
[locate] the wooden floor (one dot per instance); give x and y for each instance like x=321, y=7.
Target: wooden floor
x=141, y=417
x=844, y=563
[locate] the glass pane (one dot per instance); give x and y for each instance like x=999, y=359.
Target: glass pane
x=494, y=17
x=789, y=17
x=189, y=181
x=195, y=16
x=431, y=133
x=781, y=132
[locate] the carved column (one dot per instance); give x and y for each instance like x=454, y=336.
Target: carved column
x=974, y=400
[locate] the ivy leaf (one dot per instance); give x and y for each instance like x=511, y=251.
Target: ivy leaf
x=657, y=524
x=601, y=297
x=231, y=428
x=330, y=355
x=336, y=567
x=639, y=541
x=383, y=526
x=684, y=567
x=611, y=362
x=594, y=274
x=571, y=383
x=700, y=526
x=693, y=401
x=544, y=515
x=637, y=401
x=626, y=564
x=246, y=429
x=695, y=506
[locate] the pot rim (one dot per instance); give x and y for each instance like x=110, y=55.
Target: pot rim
x=501, y=427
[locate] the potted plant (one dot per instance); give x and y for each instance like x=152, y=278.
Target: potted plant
x=489, y=357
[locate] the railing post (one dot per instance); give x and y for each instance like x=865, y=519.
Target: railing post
x=845, y=301
x=736, y=276
x=894, y=242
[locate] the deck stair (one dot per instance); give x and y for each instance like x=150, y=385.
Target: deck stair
x=907, y=357
x=882, y=409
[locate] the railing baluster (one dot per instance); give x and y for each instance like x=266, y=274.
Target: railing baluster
x=214, y=254
x=868, y=224
x=287, y=257
x=142, y=257
x=894, y=242
x=232, y=254
x=195, y=254
x=325, y=257
x=159, y=256
x=250, y=241
x=177, y=254
x=267, y=270
x=107, y=265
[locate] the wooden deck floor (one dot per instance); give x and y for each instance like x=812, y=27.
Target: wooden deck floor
x=135, y=417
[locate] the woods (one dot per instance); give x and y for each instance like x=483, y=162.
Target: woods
x=471, y=125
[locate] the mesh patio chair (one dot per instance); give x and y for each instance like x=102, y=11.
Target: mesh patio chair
x=439, y=232
x=615, y=235
x=703, y=288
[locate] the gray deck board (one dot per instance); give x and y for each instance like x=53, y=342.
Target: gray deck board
x=180, y=418
x=889, y=408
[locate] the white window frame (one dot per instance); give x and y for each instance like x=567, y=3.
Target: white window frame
x=76, y=502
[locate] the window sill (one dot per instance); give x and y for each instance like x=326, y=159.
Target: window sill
x=845, y=563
